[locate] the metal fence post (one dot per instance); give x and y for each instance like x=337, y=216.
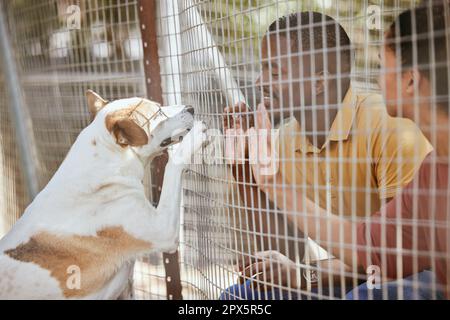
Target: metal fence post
x=19, y=112
x=147, y=18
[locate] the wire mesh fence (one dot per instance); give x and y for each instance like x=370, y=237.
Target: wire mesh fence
x=314, y=67
x=58, y=63
x=365, y=163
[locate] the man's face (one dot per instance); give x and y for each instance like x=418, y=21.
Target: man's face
x=282, y=77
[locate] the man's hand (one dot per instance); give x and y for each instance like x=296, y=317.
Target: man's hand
x=238, y=117
x=236, y=121
x=270, y=268
x=263, y=153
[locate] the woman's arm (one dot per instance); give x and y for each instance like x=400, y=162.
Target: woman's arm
x=332, y=232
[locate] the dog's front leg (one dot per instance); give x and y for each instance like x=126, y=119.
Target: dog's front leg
x=168, y=210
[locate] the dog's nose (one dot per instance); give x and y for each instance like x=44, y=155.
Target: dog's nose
x=190, y=109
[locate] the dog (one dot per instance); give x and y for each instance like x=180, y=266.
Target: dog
x=80, y=236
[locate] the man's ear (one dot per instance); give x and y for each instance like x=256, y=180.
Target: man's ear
x=412, y=81
x=95, y=103
x=126, y=131
x=319, y=82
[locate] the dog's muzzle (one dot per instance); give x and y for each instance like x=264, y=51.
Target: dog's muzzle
x=178, y=135
x=144, y=122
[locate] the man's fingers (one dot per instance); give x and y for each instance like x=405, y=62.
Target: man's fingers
x=226, y=116
x=255, y=171
x=240, y=107
x=267, y=124
x=238, y=116
x=262, y=280
x=245, y=262
x=237, y=108
x=253, y=269
x=253, y=153
x=267, y=254
x=228, y=119
x=232, y=118
x=263, y=119
x=263, y=127
x=258, y=268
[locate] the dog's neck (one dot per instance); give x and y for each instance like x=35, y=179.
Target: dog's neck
x=93, y=162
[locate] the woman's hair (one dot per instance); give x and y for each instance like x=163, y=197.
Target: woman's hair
x=419, y=38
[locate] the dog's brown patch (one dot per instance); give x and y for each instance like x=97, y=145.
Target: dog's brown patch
x=98, y=257
x=125, y=130
x=94, y=143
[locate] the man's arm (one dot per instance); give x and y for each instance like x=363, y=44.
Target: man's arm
x=270, y=227
x=335, y=273
x=331, y=272
x=335, y=233
x=269, y=268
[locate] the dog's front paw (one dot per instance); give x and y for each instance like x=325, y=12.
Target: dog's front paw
x=192, y=143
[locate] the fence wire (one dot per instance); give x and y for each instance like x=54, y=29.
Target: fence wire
x=367, y=162
x=59, y=62
x=335, y=139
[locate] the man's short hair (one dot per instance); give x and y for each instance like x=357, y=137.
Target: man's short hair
x=316, y=34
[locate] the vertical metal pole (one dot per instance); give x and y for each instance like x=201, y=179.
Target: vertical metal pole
x=20, y=116
x=147, y=18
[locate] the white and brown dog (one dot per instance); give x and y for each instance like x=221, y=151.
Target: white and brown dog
x=81, y=234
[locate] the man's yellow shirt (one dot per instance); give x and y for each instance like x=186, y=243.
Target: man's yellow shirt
x=368, y=156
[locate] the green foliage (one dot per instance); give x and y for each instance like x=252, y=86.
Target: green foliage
x=240, y=25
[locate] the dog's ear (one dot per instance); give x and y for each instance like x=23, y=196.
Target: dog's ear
x=95, y=103
x=126, y=131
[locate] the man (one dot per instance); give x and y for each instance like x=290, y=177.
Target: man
x=339, y=147
x=410, y=236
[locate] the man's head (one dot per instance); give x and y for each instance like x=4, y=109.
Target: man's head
x=415, y=63
x=306, y=61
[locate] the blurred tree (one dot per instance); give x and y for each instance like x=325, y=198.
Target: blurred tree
x=238, y=26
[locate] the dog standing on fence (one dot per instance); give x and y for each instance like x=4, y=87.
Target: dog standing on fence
x=80, y=236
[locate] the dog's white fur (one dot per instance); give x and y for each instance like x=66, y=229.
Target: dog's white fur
x=99, y=187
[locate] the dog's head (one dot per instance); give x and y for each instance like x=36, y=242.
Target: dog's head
x=139, y=123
